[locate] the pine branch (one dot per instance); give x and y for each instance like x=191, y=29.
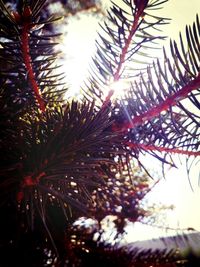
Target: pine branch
x=163, y=149
x=170, y=101
x=29, y=73
x=159, y=115
x=116, y=75
x=66, y=154
x=124, y=38
x=26, y=27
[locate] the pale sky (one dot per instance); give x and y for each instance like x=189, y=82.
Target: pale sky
x=181, y=12
x=79, y=45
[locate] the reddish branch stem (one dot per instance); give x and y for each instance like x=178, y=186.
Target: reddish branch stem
x=28, y=181
x=163, y=149
x=155, y=111
x=124, y=51
x=28, y=64
x=127, y=44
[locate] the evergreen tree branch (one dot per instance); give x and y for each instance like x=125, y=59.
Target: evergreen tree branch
x=162, y=106
x=66, y=154
x=124, y=39
x=162, y=149
x=26, y=26
x=30, y=70
x=136, y=22
x=170, y=101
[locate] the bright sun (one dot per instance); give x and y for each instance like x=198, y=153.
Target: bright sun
x=78, y=46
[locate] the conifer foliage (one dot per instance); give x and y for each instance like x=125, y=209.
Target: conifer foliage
x=62, y=160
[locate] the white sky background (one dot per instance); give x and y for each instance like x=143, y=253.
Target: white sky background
x=175, y=190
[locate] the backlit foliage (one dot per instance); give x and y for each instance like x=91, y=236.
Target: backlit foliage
x=65, y=160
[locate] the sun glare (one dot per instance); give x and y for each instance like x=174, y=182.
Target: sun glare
x=77, y=46
x=119, y=87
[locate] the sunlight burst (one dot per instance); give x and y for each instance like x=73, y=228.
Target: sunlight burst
x=119, y=88
x=78, y=46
